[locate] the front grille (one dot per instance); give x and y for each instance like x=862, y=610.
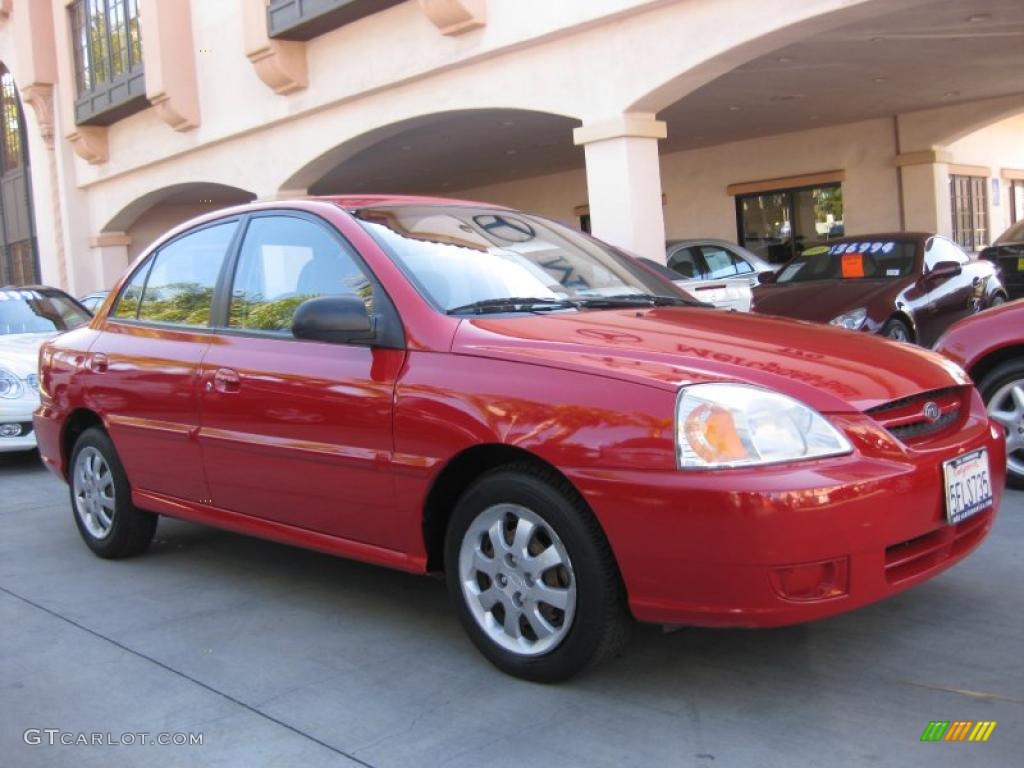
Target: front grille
x=920, y=555
x=906, y=420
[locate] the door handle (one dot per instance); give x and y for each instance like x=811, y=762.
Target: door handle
x=99, y=363
x=227, y=381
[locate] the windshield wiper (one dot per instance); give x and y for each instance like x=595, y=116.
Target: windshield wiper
x=511, y=304
x=632, y=300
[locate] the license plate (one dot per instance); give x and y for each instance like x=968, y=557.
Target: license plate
x=968, y=485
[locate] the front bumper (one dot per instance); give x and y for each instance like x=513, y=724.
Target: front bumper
x=783, y=545
x=18, y=412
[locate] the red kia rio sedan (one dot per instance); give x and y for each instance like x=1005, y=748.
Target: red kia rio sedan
x=437, y=385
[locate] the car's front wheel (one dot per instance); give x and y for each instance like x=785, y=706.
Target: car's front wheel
x=1002, y=388
x=532, y=576
x=101, y=500
x=897, y=330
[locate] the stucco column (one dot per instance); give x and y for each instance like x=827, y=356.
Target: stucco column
x=924, y=182
x=624, y=182
x=109, y=259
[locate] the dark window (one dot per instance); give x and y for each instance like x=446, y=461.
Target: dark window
x=19, y=264
x=180, y=285
x=969, y=202
x=107, y=48
x=687, y=263
x=29, y=310
x=1016, y=200
x=305, y=19
x=285, y=261
x=779, y=224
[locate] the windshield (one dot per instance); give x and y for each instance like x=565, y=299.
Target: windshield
x=1014, y=234
x=27, y=310
x=861, y=260
x=465, y=258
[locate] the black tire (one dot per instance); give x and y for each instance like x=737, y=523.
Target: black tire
x=897, y=330
x=601, y=623
x=130, y=529
x=991, y=383
x=997, y=300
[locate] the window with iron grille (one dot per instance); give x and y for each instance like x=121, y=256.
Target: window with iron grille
x=107, y=47
x=19, y=264
x=306, y=19
x=969, y=203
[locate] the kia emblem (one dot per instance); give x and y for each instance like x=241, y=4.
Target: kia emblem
x=932, y=412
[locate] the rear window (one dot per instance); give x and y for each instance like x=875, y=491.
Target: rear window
x=1014, y=234
x=860, y=260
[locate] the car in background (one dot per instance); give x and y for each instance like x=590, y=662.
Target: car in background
x=904, y=286
x=1007, y=253
x=716, y=271
x=438, y=385
x=29, y=316
x=990, y=347
x=93, y=300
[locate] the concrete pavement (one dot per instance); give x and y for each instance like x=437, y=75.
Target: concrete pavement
x=281, y=657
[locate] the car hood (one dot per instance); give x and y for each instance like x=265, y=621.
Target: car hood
x=830, y=369
x=820, y=300
x=19, y=352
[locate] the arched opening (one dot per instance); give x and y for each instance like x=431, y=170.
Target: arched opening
x=804, y=134
x=19, y=255
x=481, y=154
x=150, y=215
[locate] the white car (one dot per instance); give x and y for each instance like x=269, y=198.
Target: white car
x=716, y=271
x=28, y=317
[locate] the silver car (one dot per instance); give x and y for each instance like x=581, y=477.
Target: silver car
x=716, y=271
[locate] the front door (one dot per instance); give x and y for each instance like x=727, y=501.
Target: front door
x=299, y=432
x=949, y=298
x=146, y=362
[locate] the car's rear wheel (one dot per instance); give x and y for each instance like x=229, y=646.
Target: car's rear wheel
x=532, y=576
x=1002, y=388
x=897, y=330
x=101, y=500
x=997, y=300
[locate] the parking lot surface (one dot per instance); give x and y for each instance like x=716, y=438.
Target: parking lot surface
x=282, y=657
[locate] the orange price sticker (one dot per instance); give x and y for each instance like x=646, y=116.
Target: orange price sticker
x=853, y=265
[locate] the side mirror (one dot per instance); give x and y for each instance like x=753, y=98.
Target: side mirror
x=945, y=269
x=336, y=319
x=766, y=277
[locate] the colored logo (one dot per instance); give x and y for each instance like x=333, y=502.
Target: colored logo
x=958, y=730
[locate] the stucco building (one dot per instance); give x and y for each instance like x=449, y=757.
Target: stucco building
x=771, y=122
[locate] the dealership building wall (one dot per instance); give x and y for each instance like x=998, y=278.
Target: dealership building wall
x=643, y=119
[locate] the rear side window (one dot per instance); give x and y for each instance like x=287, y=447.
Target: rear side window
x=722, y=263
x=180, y=283
x=285, y=261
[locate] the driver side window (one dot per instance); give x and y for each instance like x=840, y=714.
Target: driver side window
x=283, y=262
x=941, y=249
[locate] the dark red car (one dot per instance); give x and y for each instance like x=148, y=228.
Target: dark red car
x=990, y=347
x=433, y=385
x=905, y=286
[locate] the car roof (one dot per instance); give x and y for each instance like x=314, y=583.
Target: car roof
x=354, y=202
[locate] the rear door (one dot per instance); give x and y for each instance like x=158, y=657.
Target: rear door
x=300, y=432
x=145, y=363
x=727, y=268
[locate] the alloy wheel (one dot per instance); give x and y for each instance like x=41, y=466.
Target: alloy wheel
x=93, y=492
x=1007, y=407
x=517, y=579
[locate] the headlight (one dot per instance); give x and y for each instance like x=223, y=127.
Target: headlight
x=10, y=385
x=852, y=320
x=738, y=425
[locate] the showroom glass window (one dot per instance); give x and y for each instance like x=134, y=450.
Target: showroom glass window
x=285, y=261
x=969, y=203
x=177, y=285
x=779, y=224
x=1016, y=200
